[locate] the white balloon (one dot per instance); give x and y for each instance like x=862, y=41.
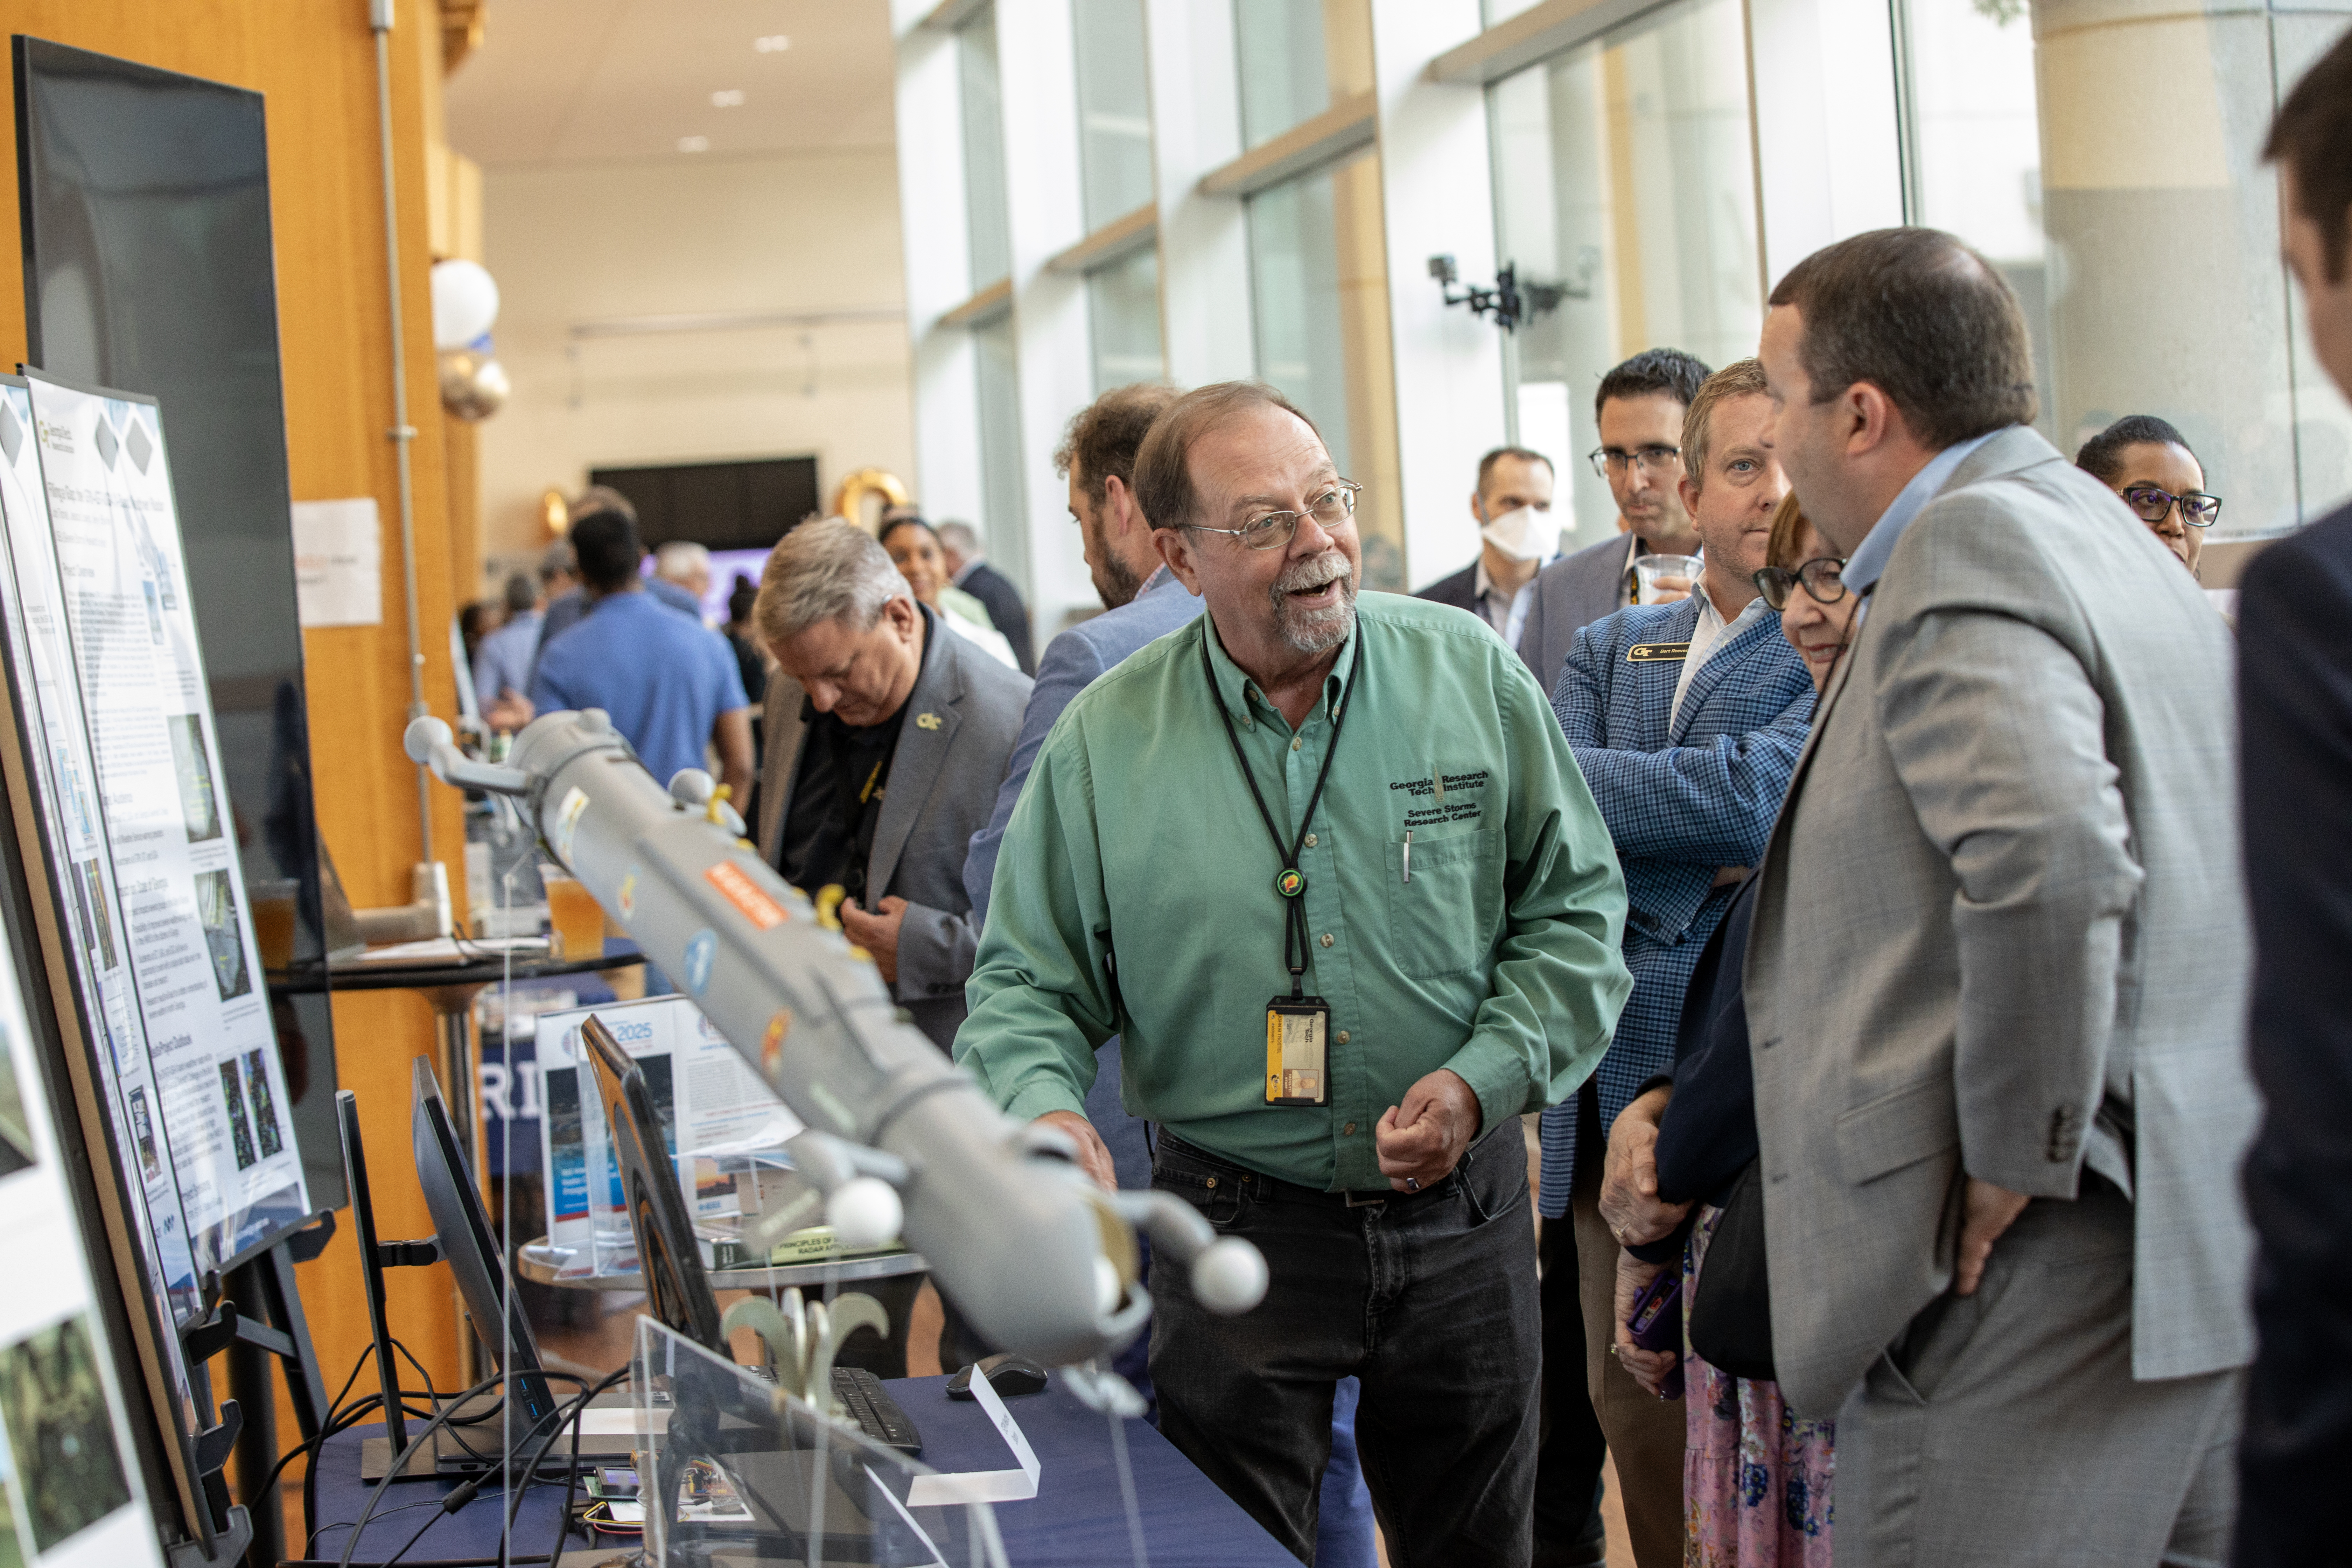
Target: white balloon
x=465, y=302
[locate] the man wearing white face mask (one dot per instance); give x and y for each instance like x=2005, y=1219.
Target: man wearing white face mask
x=1513, y=506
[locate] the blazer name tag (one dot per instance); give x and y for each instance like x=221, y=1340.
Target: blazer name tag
x=1658, y=653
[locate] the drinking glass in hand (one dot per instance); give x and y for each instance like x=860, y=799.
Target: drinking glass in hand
x=1663, y=579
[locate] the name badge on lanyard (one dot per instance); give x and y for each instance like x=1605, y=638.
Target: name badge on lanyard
x=1296, y=1032
x=1297, y=1027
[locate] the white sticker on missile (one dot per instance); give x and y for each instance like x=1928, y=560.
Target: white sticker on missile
x=567, y=821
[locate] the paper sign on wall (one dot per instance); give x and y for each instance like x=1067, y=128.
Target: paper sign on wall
x=338, y=562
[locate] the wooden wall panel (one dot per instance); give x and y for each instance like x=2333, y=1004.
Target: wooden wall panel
x=315, y=62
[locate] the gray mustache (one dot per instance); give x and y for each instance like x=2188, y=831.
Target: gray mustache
x=1312, y=572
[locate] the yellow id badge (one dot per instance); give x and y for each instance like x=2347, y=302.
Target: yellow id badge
x=1297, y=1031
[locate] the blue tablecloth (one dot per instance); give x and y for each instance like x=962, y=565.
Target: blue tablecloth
x=1077, y=1517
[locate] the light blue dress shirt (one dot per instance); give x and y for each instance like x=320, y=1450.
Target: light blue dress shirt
x=1868, y=563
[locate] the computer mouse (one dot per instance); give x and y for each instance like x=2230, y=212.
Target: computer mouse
x=1010, y=1376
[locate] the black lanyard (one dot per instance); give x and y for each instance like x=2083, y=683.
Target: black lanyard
x=1289, y=882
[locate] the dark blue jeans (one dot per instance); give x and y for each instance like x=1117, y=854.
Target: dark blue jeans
x=1429, y=1301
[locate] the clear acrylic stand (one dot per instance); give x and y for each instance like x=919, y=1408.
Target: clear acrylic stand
x=730, y=1466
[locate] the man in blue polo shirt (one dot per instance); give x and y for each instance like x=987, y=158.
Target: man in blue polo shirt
x=669, y=681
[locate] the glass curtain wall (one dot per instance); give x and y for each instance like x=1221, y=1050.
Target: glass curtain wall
x=1319, y=257
x=1115, y=152
x=1004, y=497
x=1972, y=147
x=1626, y=193
x=2104, y=158
x=983, y=150
x=1114, y=108
x=1123, y=310
x=1285, y=51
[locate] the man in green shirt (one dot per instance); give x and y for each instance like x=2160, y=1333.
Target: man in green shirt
x=1327, y=864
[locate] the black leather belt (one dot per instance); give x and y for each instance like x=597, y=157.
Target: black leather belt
x=1260, y=1186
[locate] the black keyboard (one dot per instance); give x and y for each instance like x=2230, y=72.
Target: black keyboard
x=877, y=1414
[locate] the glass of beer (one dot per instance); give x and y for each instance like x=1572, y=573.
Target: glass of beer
x=1663, y=579
x=575, y=919
x=273, y=921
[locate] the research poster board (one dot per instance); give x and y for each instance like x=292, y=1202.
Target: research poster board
x=58, y=752
x=202, y=1071
x=71, y=1492
x=88, y=908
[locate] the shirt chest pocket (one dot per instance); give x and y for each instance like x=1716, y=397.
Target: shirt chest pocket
x=1443, y=918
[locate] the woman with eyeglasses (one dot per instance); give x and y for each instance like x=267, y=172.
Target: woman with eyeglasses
x=2144, y=461
x=1756, y=1479
x=1806, y=583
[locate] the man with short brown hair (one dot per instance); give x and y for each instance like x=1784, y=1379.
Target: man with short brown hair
x=1142, y=600
x=1996, y=983
x=1325, y=863
x=1639, y=407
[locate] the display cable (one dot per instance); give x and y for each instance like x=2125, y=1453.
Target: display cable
x=441, y=1418
x=506, y=1214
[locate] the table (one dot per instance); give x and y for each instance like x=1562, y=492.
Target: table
x=1077, y=1517
x=535, y=1263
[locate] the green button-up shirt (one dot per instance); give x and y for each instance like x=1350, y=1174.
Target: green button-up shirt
x=1135, y=896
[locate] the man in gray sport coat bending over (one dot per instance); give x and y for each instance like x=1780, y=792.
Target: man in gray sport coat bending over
x=887, y=732
x=1996, y=983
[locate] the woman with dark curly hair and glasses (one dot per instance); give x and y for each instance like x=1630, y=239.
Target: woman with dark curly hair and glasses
x=2144, y=461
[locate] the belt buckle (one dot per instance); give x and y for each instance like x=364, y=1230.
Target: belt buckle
x=1366, y=1200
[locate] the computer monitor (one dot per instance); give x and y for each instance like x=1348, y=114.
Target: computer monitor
x=387, y=1365
x=473, y=1256
x=678, y=1289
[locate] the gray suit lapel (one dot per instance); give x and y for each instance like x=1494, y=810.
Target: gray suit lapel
x=924, y=741
x=781, y=733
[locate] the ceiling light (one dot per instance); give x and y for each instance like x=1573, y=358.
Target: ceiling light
x=693, y=143
x=774, y=43
x=726, y=98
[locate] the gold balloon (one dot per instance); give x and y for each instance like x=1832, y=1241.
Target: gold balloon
x=473, y=385
x=849, y=496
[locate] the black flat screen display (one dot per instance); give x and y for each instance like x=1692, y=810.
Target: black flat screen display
x=148, y=265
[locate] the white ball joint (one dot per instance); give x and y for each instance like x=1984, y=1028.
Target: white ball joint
x=1229, y=1277
x=864, y=1212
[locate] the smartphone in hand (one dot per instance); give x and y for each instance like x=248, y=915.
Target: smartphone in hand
x=1656, y=1324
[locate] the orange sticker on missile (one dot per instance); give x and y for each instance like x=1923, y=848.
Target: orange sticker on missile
x=746, y=895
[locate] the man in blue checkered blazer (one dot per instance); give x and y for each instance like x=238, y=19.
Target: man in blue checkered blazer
x=1686, y=719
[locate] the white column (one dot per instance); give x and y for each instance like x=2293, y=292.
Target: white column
x=938, y=262
x=1828, y=154
x=1206, y=320
x=1044, y=187
x=1437, y=196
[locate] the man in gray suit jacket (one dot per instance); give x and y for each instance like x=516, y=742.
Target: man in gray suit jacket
x=1997, y=981
x=887, y=733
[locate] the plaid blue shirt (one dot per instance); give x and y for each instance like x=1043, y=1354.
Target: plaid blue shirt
x=1685, y=794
